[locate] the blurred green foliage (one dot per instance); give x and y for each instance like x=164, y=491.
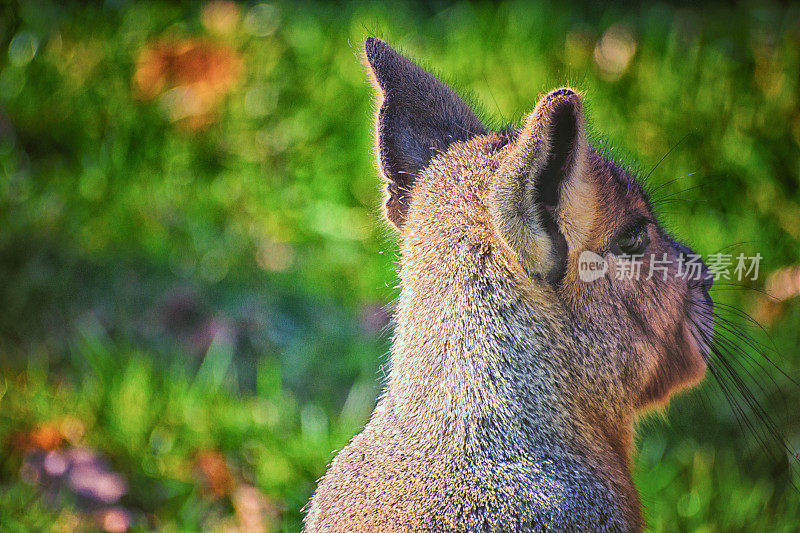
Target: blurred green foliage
x=178, y=286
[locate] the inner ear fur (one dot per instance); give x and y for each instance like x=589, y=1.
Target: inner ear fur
x=541, y=197
x=418, y=117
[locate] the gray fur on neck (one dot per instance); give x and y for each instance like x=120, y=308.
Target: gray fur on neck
x=474, y=431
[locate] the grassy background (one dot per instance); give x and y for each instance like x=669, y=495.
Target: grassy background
x=194, y=273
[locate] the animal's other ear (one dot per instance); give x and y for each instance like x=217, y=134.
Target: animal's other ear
x=543, y=203
x=418, y=117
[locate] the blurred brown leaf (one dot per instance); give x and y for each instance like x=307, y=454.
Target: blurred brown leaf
x=47, y=437
x=766, y=311
x=780, y=286
x=192, y=76
x=784, y=283
x=215, y=474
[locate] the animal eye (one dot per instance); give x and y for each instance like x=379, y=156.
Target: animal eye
x=632, y=241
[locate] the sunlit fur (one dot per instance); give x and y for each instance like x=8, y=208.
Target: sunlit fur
x=514, y=385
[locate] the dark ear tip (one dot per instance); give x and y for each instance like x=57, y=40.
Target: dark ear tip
x=563, y=95
x=373, y=47
x=564, y=91
x=556, y=102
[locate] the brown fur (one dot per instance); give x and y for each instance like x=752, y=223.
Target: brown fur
x=514, y=385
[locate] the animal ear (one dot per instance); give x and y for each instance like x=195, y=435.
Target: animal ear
x=542, y=199
x=418, y=117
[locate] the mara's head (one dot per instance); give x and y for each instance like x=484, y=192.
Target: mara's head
x=543, y=218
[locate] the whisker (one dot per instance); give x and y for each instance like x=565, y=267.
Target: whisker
x=687, y=189
x=672, y=200
x=751, y=341
x=723, y=286
x=735, y=389
x=663, y=157
x=734, y=245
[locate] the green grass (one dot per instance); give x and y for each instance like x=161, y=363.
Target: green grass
x=173, y=290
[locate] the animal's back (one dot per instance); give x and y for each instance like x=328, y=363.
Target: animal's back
x=385, y=480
